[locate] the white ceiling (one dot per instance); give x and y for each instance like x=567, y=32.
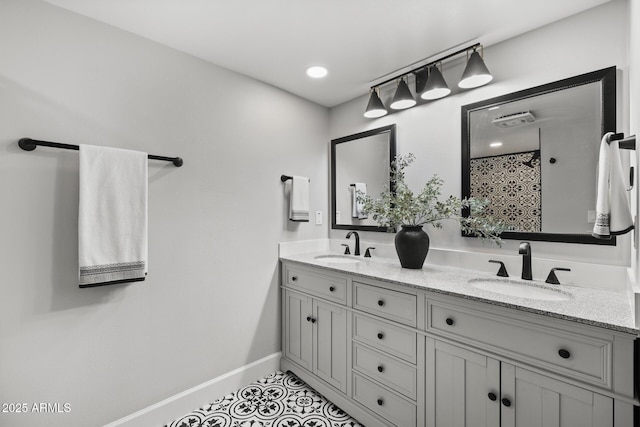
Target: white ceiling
x=359, y=41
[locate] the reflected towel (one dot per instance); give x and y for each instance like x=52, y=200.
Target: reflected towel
x=357, y=206
x=112, y=217
x=613, y=215
x=299, y=199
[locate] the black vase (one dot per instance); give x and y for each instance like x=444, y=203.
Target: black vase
x=412, y=245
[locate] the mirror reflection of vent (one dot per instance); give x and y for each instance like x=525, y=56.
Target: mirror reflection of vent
x=515, y=119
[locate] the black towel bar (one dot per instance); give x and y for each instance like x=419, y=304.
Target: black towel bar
x=628, y=143
x=29, y=144
x=285, y=178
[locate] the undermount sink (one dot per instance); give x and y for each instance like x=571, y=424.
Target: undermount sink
x=337, y=259
x=520, y=289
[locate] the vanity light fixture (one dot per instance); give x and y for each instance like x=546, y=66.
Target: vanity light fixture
x=429, y=81
x=476, y=73
x=403, y=98
x=375, y=107
x=436, y=87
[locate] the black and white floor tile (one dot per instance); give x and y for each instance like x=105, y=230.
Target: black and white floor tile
x=278, y=400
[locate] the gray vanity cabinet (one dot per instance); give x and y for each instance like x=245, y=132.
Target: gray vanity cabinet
x=398, y=355
x=466, y=388
x=314, y=330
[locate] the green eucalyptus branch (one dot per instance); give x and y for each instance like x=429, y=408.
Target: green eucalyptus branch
x=402, y=207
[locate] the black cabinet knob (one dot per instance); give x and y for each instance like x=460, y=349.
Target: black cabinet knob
x=381, y=302
x=332, y=288
x=380, y=368
x=380, y=335
x=313, y=320
x=506, y=402
x=449, y=321
x=294, y=278
x=380, y=402
x=564, y=353
x=308, y=318
x=492, y=397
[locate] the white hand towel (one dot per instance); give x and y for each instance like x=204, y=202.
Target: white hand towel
x=358, y=206
x=613, y=215
x=112, y=217
x=299, y=199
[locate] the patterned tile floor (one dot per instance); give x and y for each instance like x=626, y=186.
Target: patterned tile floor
x=278, y=400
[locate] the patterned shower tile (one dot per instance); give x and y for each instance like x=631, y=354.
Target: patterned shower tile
x=278, y=400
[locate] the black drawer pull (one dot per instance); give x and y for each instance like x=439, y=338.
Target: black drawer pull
x=449, y=321
x=506, y=402
x=564, y=353
x=380, y=368
x=381, y=303
x=294, y=278
x=331, y=288
x=492, y=397
x=380, y=335
x=380, y=402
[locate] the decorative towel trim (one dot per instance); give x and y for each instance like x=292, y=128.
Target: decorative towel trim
x=96, y=275
x=301, y=216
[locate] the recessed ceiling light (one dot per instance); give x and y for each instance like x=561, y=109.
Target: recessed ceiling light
x=317, y=72
x=495, y=144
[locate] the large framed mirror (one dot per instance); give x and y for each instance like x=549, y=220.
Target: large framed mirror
x=534, y=155
x=360, y=161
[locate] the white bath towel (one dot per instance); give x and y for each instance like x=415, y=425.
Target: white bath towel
x=357, y=206
x=613, y=215
x=299, y=199
x=112, y=217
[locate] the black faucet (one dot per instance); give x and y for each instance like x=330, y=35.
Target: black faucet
x=356, y=251
x=525, y=251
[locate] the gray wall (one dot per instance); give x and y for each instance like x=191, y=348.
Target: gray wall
x=572, y=46
x=210, y=302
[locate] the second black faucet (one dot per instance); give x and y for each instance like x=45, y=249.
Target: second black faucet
x=525, y=251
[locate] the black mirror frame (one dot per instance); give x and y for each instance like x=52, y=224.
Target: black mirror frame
x=391, y=130
x=607, y=79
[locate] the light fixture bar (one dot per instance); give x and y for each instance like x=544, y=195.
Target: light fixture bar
x=425, y=66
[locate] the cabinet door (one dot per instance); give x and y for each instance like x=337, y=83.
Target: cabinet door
x=330, y=339
x=298, y=338
x=536, y=400
x=463, y=387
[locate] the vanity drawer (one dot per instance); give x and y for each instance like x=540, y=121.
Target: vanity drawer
x=386, y=303
x=325, y=286
x=384, y=336
x=563, y=351
x=391, y=372
x=393, y=408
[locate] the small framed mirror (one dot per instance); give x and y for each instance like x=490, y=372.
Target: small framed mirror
x=534, y=155
x=359, y=162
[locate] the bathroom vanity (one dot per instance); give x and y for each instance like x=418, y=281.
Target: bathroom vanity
x=438, y=347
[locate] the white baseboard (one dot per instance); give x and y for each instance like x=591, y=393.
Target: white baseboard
x=182, y=403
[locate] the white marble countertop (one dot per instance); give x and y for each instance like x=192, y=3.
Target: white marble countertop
x=608, y=309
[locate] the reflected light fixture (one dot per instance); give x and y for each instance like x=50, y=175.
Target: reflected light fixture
x=375, y=107
x=476, y=73
x=403, y=98
x=429, y=81
x=435, y=87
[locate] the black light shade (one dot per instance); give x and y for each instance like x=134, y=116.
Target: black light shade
x=375, y=107
x=403, y=97
x=435, y=87
x=476, y=73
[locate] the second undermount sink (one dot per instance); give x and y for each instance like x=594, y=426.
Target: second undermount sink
x=337, y=259
x=520, y=290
